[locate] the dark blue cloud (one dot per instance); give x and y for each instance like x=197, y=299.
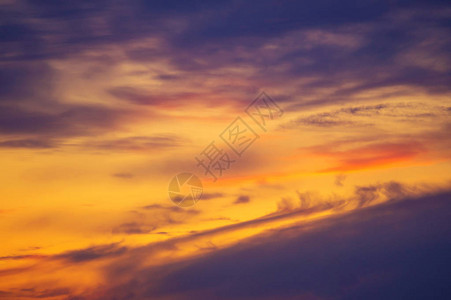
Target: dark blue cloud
x=28, y=143
x=397, y=250
x=71, y=120
x=21, y=81
x=200, y=36
x=11, y=32
x=245, y=19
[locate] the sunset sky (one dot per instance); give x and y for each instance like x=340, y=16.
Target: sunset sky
x=344, y=194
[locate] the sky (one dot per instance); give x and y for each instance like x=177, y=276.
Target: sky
x=317, y=131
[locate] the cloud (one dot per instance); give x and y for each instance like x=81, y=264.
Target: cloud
x=28, y=143
x=363, y=196
x=339, y=179
x=125, y=263
x=139, y=143
x=316, y=57
x=242, y=199
x=123, y=175
x=210, y=196
x=20, y=257
x=285, y=205
x=93, y=253
x=371, y=155
x=390, y=190
x=172, y=208
x=73, y=120
x=218, y=54
x=362, y=254
x=322, y=120
x=370, y=115
x=137, y=96
x=34, y=292
x=149, y=218
x=25, y=82
x=133, y=228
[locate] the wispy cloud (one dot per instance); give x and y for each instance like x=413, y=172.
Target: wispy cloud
x=296, y=253
x=242, y=199
x=139, y=143
x=93, y=253
x=102, y=103
x=28, y=143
